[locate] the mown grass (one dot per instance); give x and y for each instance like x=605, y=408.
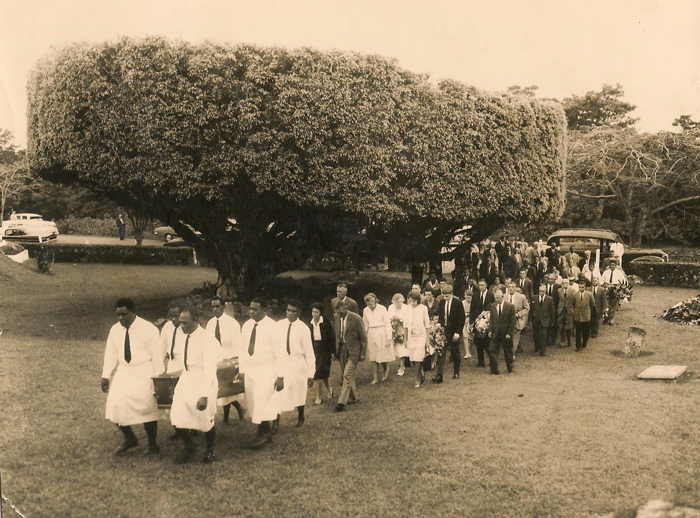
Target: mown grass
x=566, y=435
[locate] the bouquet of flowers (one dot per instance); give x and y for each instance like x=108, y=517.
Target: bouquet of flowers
x=624, y=292
x=438, y=340
x=481, y=325
x=397, y=331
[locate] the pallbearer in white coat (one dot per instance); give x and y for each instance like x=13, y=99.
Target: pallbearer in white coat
x=133, y=347
x=301, y=361
x=227, y=331
x=194, y=400
x=169, y=333
x=262, y=366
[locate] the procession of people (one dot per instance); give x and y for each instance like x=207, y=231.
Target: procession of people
x=563, y=298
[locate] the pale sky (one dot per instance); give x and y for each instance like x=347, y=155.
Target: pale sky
x=652, y=48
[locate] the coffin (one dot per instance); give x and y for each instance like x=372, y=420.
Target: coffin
x=226, y=372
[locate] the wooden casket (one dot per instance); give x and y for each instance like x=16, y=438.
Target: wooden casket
x=226, y=373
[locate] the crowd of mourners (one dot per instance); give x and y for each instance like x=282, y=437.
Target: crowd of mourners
x=493, y=296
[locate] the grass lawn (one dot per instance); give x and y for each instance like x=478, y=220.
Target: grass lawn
x=566, y=435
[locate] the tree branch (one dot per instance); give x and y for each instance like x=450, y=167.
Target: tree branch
x=591, y=196
x=675, y=202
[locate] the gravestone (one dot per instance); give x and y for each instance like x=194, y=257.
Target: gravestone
x=663, y=372
x=635, y=340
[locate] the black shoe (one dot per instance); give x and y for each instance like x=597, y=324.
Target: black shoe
x=275, y=426
x=208, y=457
x=261, y=441
x=126, y=446
x=481, y=365
x=511, y=371
x=340, y=407
x=173, y=437
x=455, y=376
x=184, y=456
x=593, y=336
x=422, y=379
x=437, y=379
x=520, y=349
x=300, y=423
x=241, y=415
x=151, y=451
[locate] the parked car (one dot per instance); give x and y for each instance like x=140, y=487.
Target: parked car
x=28, y=228
x=593, y=239
x=167, y=233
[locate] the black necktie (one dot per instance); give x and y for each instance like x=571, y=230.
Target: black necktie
x=594, y=291
x=251, y=344
x=187, y=343
x=217, y=331
x=127, y=347
x=447, y=311
x=342, y=330
x=499, y=311
x=289, y=332
x=581, y=296
x=172, y=345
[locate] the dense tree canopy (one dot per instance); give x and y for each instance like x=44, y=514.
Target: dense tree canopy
x=603, y=108
x=275, y=155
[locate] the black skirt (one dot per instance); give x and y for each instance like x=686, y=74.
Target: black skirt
x=323, y=360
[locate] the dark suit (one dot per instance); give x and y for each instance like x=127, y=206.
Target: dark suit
x=554, y=293
x=526, y=286
x=324, y=349
x=600, y=300
x=350, y=303
x=454, y=324
x=475, y=308
x=350, y=346
x=490, y=275
x=582, y=307
x=542, y=316
x=500, y=327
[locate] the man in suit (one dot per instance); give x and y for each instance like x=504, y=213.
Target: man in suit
x=522, y=310
x=501, y=329
x=586, y=259
x=452, y=320
x=525, y=285
x=430, y=302
x=572, y=258
x=611, y=277
x=481, y=301
x=542, y=314
x=563, y=330
x=488, y=272
x=553, y=254
x=351, y=349
x=601, y=304
x=582, y=306
x=552, y=290
x=342, y=295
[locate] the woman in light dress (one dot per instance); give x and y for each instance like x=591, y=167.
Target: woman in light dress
x=399, y=310
x=378, y=327
x=418, y=335
x=466, y=338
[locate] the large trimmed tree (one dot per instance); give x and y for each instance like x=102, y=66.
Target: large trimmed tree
x=276, y=155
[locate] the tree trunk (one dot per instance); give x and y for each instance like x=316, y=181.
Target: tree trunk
x=637, y=229
x=138, y=236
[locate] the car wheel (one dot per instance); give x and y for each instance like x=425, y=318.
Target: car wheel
x=168, y=237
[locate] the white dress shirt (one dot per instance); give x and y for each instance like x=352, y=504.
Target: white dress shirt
x=300, y=345
x=144, y=344
x=230, y=332
x=269, y=354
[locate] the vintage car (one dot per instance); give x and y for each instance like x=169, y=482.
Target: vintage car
x=166, y=232
x=593, y=239
x=28, y=228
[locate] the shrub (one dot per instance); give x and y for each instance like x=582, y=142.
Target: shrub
x=80, y=253
x=95, y=227
x=684, y=275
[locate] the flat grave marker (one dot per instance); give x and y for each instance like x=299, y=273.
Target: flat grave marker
x=663, y=372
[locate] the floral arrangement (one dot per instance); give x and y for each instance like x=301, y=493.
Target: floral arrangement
x=397, y=330
x=481, y=325
x=438, y=340
x=620, y=293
